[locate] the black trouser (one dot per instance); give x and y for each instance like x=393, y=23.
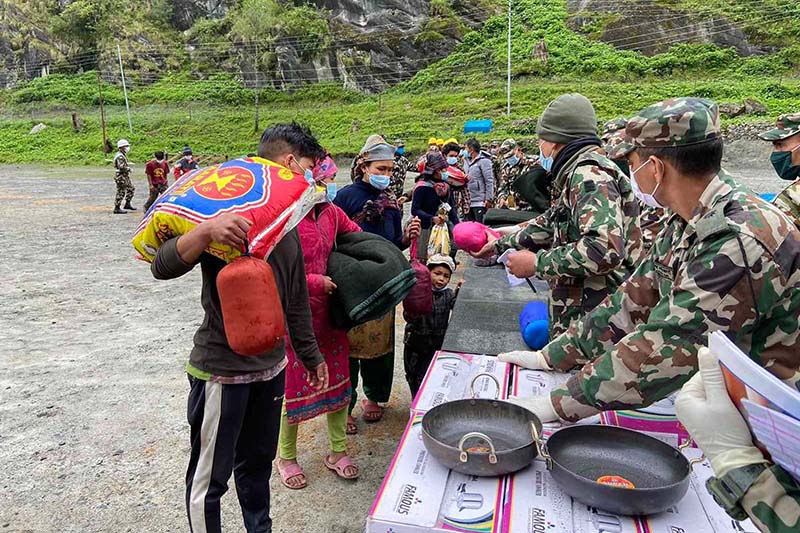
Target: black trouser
x=234, y=428
x=476, y=214
x=155, y=192
x=418, y=353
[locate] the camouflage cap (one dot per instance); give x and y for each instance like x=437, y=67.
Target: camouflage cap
x=507, y=146
x=785, y=126
x=613, y=142
x=613, y=126
x=674, y=122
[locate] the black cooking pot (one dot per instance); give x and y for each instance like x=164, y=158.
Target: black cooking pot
x=481, y=437
x=616, y=469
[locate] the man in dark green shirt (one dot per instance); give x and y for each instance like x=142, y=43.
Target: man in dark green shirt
x=235, y=402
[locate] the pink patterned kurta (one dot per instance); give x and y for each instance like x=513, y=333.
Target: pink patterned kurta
x=318, y=232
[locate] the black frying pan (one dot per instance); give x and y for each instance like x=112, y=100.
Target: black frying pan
x=579, y=456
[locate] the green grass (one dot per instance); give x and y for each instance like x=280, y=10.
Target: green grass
x=228, y=129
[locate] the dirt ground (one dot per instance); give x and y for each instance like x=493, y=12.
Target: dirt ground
x=93, y=434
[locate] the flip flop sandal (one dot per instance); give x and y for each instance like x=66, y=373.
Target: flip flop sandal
x=340, y=466
x=352, y=428
x=370, y=410
x=289, y=472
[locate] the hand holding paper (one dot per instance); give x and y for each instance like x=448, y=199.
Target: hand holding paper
x=704, y=407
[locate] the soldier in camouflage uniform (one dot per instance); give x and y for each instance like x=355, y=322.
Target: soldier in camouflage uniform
x=515, y=164
x=785, y=139
x=401, y=167
x=726, y=261
x=589, y=241
x=122, y=178
x=651, y=219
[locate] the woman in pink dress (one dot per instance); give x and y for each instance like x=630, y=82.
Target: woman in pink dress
x=318, y=232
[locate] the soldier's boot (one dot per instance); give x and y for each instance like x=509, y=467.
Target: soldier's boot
x=118, y=211
x=129, y=207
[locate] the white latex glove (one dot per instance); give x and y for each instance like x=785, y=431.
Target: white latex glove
x=530, y=360
x=541, y=406
x=707, y=412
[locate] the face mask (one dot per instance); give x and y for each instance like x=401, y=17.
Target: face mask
x=330, y=191
x=400, y=151
x=126, y=149
x=159, y=160
x=782, y=163
x=647, y=199
x=308, y=174
x=465, y=154
x=512, y=161
x=623, y=166
x=379, y=182
x=546, y=162
x=445, y=176
x=452, y=160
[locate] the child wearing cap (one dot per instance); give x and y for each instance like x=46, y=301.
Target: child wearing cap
x=425, y=333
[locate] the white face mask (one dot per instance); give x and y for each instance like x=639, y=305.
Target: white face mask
x=647, y=199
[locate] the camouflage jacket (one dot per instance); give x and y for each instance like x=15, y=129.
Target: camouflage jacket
x=651, y=220
x=734, y=267
x=788, y=200
x=588, y=242
x=773, y=501
x=122, y=165
x=509, y=175
x=401, y=167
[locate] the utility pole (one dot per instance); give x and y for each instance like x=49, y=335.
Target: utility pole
x=258, y=77
x=124, y=89
x=508, y=66
x=102, y=112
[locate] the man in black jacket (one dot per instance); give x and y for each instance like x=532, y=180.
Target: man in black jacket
x=235, y=402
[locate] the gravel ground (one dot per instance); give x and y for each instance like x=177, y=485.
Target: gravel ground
x=93, y=435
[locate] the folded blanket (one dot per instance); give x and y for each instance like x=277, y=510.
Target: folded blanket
x=371, y=275
x=506, y=217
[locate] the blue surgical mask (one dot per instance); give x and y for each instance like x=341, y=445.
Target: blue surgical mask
x=546, y=161
x=465, y=154
x=400, y=151
x=308, y=174
x=330, y=191
x=445, y=176
x=452, y=160
x=645, y=198
x=379, y=182
x=512, y=161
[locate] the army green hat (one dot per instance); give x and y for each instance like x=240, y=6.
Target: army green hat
x=785, y=126
x=673, y=122
x=508, y=145
x=613, y=126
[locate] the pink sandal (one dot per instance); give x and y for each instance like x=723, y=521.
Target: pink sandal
x=340, y=466
x=289, y=472
x=372, y=411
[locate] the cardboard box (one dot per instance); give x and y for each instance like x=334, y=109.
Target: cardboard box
x=658, y=420
x=411, y=494
x=419, y=495
x=450, y=376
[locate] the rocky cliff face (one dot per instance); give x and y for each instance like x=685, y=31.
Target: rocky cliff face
x=376, y=43
x=651, y=29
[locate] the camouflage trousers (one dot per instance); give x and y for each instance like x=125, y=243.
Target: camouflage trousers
x=125, y=189
x=155, y=192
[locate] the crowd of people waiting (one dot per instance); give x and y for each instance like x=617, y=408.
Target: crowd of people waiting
x=647, y=244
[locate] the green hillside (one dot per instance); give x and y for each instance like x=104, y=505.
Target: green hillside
x=215, y=114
